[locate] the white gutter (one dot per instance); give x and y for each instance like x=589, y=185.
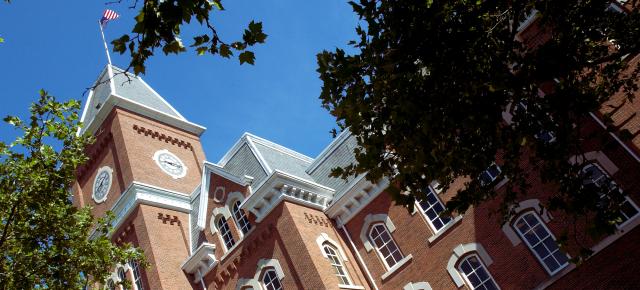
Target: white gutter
x=358, y=257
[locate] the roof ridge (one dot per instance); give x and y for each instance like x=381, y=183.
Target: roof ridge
x=277, y=147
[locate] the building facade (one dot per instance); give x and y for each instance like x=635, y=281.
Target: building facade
x=267, y=217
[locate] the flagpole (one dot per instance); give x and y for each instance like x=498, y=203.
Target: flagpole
x=112, y=86
x=106, y=48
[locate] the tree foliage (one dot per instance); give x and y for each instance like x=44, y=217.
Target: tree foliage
x=159, y=24
x=44, y=238
x=426, y=90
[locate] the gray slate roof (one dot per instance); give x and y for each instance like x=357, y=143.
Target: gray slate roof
x=129, y=87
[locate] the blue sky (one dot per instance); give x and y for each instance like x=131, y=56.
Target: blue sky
x=56, y=45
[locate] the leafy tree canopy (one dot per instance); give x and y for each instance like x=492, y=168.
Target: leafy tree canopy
x=159, y=23
x=45, y=240
x=426, y=90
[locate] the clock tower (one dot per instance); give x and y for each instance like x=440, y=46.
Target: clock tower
x=144, y=166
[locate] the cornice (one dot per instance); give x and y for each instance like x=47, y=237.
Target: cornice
x=282, y=186
x=355, y=198
x=201, y=261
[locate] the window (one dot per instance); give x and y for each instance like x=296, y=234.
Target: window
x=223, y=227
x=122, y=275
x=595, y=175
x=386, y=246
x=541, y=242
x=111, y=285
x=432, y=207
x=336, y=264
x=475, y=274
x=490, y=174
x=241, y=218
x=270, y=280
x=137, y=277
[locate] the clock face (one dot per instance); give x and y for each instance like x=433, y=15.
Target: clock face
x=170, y=163
x=102, y=184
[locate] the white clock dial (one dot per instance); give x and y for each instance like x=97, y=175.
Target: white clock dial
x=170, y=164
x=102, y=184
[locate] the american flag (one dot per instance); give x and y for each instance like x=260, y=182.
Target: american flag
x=108, y=15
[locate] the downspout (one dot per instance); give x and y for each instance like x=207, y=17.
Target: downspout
x=358, y=257
x=204, y=287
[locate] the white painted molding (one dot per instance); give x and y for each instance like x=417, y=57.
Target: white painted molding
x=233, y=197
x=602, y=159
x=372, y=219
x=201, y=261
x=324, y=238
x=209, y=168
x=140, y=193
x=109, y=172
x=246, y=284
x=525, y=205
x=215, y=213
x=265, y=264
x=114, y=100
x=355, y=198
x=417, y=286
x=460, y=251
x=156, y=158
x=283, y=186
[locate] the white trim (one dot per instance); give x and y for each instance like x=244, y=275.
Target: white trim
x=529, y=204
x=444, y=229
x=156, y=158
x=109, y=172
x=540, y=259
x=417, y=286
x=369, y=220
x=358, y=256
x=283, y=186
x=219, y=211
x=396, y=267
x=434, y=231
x=633, y=154
x=254, y=284
x=460, y=251
x=355, y=198
x=599, y=157
x=335, y=144
x=250, y=139
x=466, y=278
x=324, y=238
x=114, y=100
x=141, y=193
x=201, y=261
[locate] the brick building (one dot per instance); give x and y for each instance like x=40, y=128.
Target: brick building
x=267, y=217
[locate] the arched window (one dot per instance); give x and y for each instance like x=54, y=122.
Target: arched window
x=431, y=207
x=336, y=263
x=593, y=174
x=385, y=245
x=122, y=275
x=137, y=277
x=541, y=242
x=225, y=233
x=475, y=273
x=240, y=217
x=270, y=280
x=111, y=285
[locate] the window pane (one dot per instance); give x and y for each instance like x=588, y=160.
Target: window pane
x=547, y=248
x=476, y=274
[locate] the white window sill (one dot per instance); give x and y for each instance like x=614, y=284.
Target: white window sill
x=444, y=229
x=396, y=267
x=342, y=286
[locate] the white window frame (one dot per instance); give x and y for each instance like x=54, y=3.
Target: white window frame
x=340, y=262
x=273, y=279
x=391, y=240
x=137, y=275
x=627, y=199
x=532, y=250
x=482, y=265
x=426, y=217
x=493, y=178
x=239, y=220
x=223, y=234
